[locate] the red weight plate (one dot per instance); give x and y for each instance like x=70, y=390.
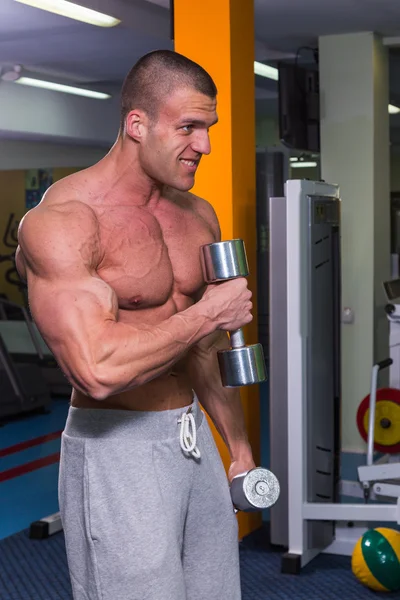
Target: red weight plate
x=389, y=394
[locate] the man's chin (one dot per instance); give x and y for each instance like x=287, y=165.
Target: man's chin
x=184, y=185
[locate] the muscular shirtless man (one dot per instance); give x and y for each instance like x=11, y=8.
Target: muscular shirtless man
x=111, y=258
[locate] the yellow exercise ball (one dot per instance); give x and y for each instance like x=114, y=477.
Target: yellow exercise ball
x=376, y=559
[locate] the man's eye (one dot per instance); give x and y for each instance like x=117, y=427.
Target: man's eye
x=187, y=128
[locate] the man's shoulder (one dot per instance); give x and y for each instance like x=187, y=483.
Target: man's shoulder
x=60, y=212
x=199, y=205
x=66, y=198
x=184, y=199
x=60, y=215
x=206, y=211
x=72, y=188
x=55, y=234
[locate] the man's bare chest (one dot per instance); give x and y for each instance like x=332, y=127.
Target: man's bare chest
x=149, y=258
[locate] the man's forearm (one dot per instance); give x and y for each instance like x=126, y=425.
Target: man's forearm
x=226, y=412
x=150, y=351
x=114, y=357
x=223, y=405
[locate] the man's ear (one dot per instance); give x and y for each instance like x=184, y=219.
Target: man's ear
x=136, y=125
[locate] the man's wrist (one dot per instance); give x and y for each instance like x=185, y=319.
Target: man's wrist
x=208, y=324
x=240, y=451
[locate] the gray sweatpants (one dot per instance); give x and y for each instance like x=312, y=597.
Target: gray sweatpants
x=144, y=519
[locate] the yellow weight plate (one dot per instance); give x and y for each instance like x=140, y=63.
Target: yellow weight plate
x=386, y=412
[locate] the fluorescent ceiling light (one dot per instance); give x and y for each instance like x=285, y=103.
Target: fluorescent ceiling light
x=302, y=164
x=393, y=110
x=265, y=71
x=58, y=87
x=73, y=11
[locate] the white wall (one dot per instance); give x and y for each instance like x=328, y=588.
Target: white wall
x=355, y=154
x=19, y=154
x=27, y=111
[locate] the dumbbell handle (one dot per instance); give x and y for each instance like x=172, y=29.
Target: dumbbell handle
x=237, y=338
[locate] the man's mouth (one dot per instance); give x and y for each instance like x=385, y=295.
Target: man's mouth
x=189, y=163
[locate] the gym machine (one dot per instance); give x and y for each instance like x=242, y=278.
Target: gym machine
x=304, y=289
x=392, y=309
x=25, y=345
x=10, y=240
x=22, y=385
x=305, y=317
x=20, y=334
x=372, y=475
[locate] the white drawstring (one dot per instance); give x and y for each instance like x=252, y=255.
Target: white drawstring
x=188, y=437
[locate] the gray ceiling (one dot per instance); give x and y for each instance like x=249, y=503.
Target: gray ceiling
x=74, y=52
x=287, y=24
x=50, y=44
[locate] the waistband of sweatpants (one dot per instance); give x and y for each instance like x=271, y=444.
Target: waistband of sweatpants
x=140, y=425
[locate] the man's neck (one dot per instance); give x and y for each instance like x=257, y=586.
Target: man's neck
x=127, y=179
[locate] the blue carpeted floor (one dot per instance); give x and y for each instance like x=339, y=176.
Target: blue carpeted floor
x=37, y=570
x=33, y=495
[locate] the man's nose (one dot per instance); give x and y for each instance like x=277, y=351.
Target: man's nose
x=201, y=143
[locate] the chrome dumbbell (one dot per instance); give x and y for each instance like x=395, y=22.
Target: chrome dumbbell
x=240, y=365
x=255, y=490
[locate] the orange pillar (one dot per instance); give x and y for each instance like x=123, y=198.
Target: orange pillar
x=220, y=37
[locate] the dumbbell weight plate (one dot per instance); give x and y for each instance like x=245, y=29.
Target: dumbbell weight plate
x=242, y=366
x=224, y=260
x=387, y=412
x=257, y=490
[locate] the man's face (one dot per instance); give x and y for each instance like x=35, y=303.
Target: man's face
x=175, y=143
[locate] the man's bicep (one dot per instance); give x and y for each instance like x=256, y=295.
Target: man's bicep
x=56, y=252
x=69, y=302
x=72, y=319
x=58, y=305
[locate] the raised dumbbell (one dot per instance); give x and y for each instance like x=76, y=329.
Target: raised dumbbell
x=240, y=365
x=254, y=490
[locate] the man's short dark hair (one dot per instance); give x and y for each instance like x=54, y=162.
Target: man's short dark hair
x=155, y=76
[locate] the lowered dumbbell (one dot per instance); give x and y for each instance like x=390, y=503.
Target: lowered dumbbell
x=240, y=365
x=255, y=490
